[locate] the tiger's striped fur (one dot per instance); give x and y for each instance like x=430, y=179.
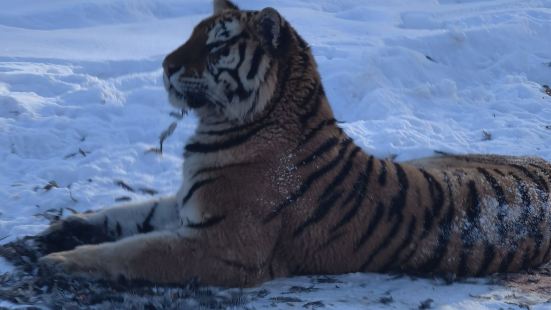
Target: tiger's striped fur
x=273, y=187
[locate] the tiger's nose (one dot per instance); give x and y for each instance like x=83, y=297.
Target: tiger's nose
x=170, y=68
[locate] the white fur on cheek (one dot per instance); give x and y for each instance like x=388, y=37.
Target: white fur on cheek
x=224, y=31
x=175, y=79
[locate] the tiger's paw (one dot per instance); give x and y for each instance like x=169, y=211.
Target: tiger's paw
x=56, y=263
x=69, y=233
x=84, y=261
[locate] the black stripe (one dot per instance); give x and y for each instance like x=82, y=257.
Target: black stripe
x=386, y=242
x=211, y=221
x=308, y=183
x=195, y=187
x=382, y=173
x=330, y=241
x=437, y=196
x=361, y=182
x=234, y=73
x=436, y=192
x=543, y=170
x=229, y=42
x=315, y=131
x=543, y=193
x=315, y=103
x=542, y=214
x=373, y=223
x=395, y=257
x=323, y=209
x=302, y=61
x=427, y=223
x=526, y=258
x=538, y=238
x=470, y=229
x=538, y=180
x=229, y=143
x=233, y=129
x=473, y=204
x=283, y=75
x=218, y=168
x=341, y=176
x=502, y=203
x=489, y=255
x=502, y=230
x=270, y=103
x=282, y=80
x=444, y=237
x=499, y=172
x=358, y=192
x=429, y=179
x=398, y=202
x=216, y=123
x=328, y=197
x=255, y=62
x=146, y=226
x=506, y=262
x=314, y=88
x=322, y=149
x=521, y=225
x=303, y=67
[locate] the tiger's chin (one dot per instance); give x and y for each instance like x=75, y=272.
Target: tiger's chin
x=186, y=101
x=177, y=99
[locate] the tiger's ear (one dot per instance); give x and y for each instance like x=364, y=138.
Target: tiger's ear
x=268, y=24
x=221, y=5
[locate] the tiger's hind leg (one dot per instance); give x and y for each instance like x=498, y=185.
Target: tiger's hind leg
x=110, y=224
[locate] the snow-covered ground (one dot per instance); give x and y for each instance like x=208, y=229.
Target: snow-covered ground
x=82, y=102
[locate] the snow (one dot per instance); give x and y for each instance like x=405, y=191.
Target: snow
x=354, y=292
x=81, y=103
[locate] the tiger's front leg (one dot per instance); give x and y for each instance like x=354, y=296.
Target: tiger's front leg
x=110, y=224
x=218, y=255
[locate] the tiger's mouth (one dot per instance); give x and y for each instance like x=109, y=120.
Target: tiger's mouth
x=189, y=95
x=175, y=98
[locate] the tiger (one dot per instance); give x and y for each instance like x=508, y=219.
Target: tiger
x=273, y=187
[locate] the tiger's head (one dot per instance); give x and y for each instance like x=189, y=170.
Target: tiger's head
x=227, y=68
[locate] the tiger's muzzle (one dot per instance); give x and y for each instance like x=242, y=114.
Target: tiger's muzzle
x=184, y=92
